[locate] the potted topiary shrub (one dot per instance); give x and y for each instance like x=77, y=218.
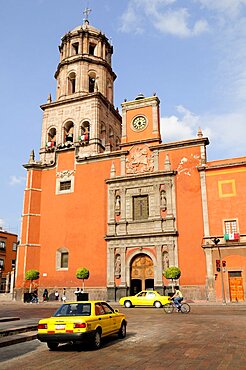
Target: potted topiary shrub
x=172, y=273
x=83, y=273
x=30, y=275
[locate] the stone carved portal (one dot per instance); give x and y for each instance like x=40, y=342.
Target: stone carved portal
x=142, y=273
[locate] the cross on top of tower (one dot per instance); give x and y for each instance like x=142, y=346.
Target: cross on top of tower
x=86, y=12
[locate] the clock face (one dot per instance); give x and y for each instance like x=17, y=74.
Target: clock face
x=139, y=123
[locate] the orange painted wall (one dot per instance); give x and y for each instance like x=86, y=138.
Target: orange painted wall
x=233, y=263
x=189, y=213
x=64, y=224
x=29, y=250
x=222, y=205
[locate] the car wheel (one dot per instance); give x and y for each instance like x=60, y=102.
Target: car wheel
x=122, y=331
x=96, y=340
x=157, y=304
x=52, y=345
x=128, y=304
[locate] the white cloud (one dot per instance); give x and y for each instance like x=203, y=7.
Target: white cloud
x=218, y=128
x=175, y=22
x=131, y=21
x=229, y=8
x=163, y=17
x=16, y=180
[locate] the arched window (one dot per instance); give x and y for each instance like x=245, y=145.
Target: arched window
x=103, y=134
x=85, y=132
x=92, y=82
x=62, y=255
x=92, y=48
x=109, y=90
x=117, y=143
x=68, y=131
x=71, y=83
x=75, y=48
x=51, y=137
x=111, y=133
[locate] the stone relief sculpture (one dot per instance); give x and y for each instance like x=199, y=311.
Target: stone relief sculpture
x=163, y=200
x=117, y=266
x=117, y=204
x=165, y=260
x=140, y=160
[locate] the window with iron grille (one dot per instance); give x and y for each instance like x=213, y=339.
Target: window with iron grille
x=65, y=185
x=141, y=207
x=230, y=226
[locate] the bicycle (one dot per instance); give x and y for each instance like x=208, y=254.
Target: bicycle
x=169, y=307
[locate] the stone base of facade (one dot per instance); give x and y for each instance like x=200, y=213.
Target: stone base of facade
x=194, y=292
x=113, y=294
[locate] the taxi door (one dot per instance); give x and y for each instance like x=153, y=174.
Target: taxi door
x=103, y=319
x=114, y=320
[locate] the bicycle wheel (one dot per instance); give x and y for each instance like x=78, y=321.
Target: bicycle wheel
x=185, y=308
x=168, y=308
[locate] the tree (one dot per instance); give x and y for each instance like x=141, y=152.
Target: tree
x=172, y=273
x=31, y=275
x=82, y=273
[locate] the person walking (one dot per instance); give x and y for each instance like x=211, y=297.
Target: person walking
x=77, y=292
x=64, y=298
x=56, y=295
x=45, y=295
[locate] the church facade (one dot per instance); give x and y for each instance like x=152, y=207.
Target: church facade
x=107, y=194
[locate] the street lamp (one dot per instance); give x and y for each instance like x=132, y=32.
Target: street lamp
x=216, y=243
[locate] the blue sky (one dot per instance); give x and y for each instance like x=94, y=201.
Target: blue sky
x=192, y=53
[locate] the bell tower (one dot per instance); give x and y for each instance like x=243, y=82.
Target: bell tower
x=82, y=117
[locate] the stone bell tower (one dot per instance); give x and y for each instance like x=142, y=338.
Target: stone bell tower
x=82, y=116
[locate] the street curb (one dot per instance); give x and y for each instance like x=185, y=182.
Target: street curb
x=18, y=338
x=6, y=319
x=16, y=331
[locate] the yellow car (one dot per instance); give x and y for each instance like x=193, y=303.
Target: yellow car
x=80, y=322
x=145, y=298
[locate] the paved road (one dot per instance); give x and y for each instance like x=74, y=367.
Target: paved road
x=210, y=337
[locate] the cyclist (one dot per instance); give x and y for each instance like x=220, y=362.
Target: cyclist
x=177, y=297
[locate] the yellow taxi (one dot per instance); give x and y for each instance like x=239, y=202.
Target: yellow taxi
x=81, y=322
x=145, y=298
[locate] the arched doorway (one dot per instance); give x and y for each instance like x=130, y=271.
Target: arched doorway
x=142, y=273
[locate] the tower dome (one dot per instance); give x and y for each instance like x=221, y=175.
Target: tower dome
x=85, y=63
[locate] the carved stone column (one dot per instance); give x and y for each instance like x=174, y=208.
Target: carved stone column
x=123, y=266
x=110, y=266
x=159, y=281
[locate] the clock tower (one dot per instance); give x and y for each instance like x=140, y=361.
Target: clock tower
x=141, y=120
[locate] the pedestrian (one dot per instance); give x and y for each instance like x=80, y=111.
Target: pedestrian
x=177, y=297
x=77, y=292
x=45, y=295
x=64, y=298
x=56, y=295
x=34, y=296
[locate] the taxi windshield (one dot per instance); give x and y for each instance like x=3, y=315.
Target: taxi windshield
x=74, y=309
